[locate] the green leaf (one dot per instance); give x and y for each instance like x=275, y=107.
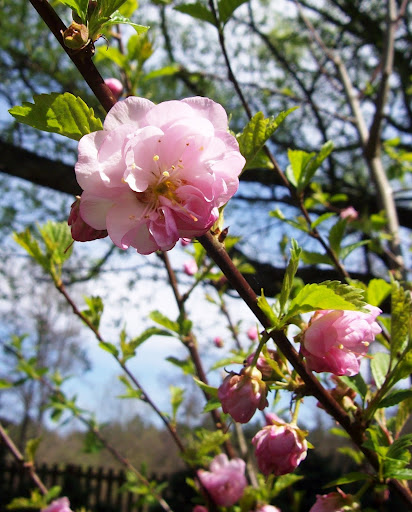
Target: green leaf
x=5, y=384
x=212, y=404
x=283, y=482
x=400, y=319
x=380, y=367
x=58, y=241
x=348, y=479
x=160, y=73
x=290, y=273
x=210, y=390
x=109, y=347
x=314, y=258
x=78, y=6
x=268, y=310
x=314, y=164
x=31, y=448
x=321, y=219
x=227, y=7
x=258, y=130
x=116, y=18
x=395, y=397
x=403, y=415
x=91, y=444
x=113, y=54
x=336, y=235
x=328, y=295
x=399, y=449
x=26, y=240
x=298, y=161
x=399, y=474
x=64, y=114
x=176, y=400
x=347, y=249
x=148, y=333
x=197, y=10
x=377, y=291
x=356, y=383
x=164, y=321
x=186, y=365
x=95, y=310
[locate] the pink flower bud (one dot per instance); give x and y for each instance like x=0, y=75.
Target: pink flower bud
x=280, y=448
x=115, y=86
x=262, y=365
x=81, y=231
x=185, y=241
x=190, y=267
x=268, y=508
x=252, y=333
x=335, y=341
x=60, y=505
x=349, y=213
x=226, y=481
x=218, y=342
x=199, y=508
x=242, y=394
x=334, y=502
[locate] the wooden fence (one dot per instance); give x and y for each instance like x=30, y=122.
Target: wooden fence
x=96, y=489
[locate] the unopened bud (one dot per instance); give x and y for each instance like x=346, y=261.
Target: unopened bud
x=76, y=36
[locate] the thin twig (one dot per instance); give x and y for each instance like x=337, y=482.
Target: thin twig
x=28, y=466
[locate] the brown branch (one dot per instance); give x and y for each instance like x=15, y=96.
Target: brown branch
x=356, y=431
x=27, y=466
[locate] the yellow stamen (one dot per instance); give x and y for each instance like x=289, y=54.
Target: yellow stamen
x=341, y=346
x=156, y=158
x=365, y=343
x=134, y=165
x=166, y=174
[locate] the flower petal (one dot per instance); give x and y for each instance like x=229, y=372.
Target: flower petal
x=132, y=110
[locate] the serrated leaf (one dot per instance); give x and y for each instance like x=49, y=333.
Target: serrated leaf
x=395, y=397
x=58, y=241
x=319, y=296
x=117, y=18
x=227, y=7
x=148, y=333
x=377, y=291
x=64, y=114
x=31, y=448
x=26, y=240
x=164, y=321
x=258, y=130
x=78, y=6
x=95, y=310
x=348, y=478
x=400, y=474
x=399, y=449
x=380, y=367
x=197, y=10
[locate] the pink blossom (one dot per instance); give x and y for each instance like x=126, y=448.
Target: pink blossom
x=262, y=365
x=82, y=232
x=60, y=505
x=115, y=86
x=218, y=342
x=349, y=213
x=190, y=267
x=268, y=508
x=184, y=241
x=157, y=173
x=199, y=508
x=280, y=448
x=242, y=394
x=335, y=341
x=334, y=502
x=252, y=333
x=226, y=481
